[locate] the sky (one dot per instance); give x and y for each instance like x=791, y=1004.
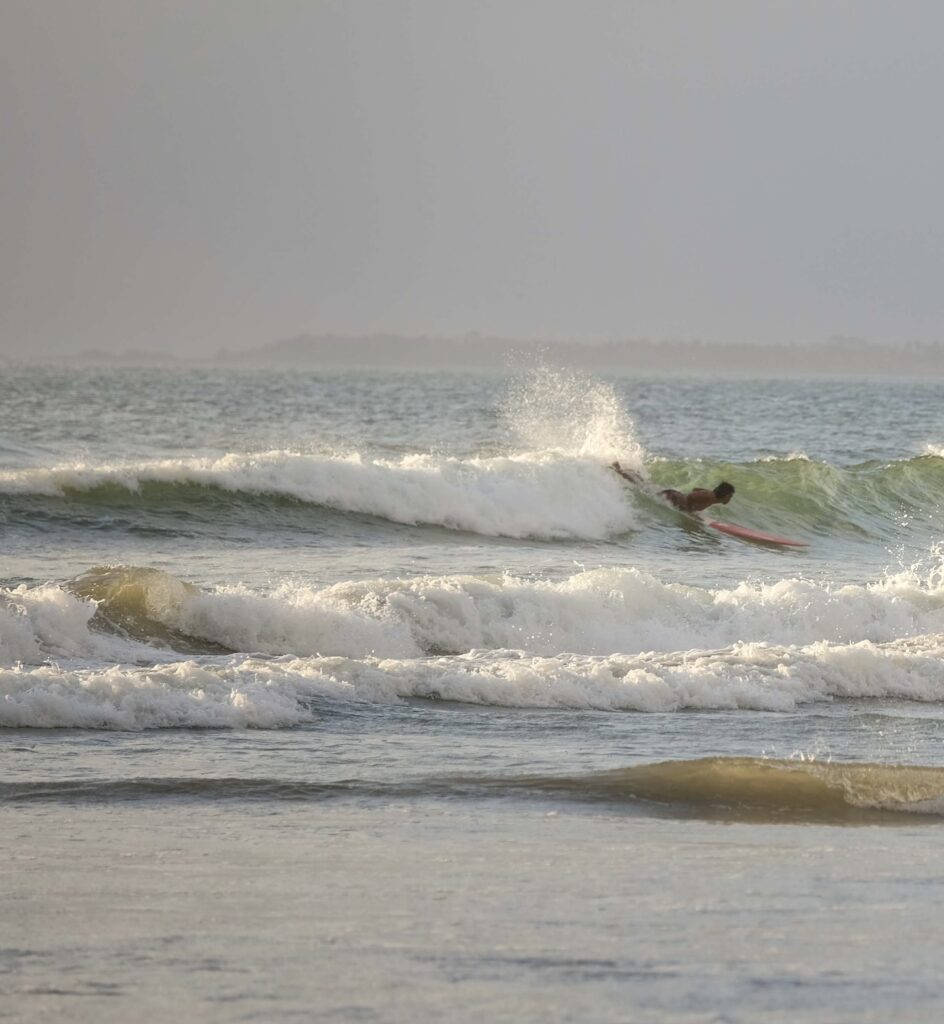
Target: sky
x=183, y=175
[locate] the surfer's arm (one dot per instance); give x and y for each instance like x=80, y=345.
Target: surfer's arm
x=626, y=474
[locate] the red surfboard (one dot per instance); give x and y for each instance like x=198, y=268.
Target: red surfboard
x=755, y=535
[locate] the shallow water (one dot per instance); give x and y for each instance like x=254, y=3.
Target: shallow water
x=285, y=655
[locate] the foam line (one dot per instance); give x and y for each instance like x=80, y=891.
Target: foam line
x=599, y=612
x=240, y=692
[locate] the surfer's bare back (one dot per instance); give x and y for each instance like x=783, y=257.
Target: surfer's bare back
x=696, y=500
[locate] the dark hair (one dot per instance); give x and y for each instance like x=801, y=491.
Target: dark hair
x=724, y=490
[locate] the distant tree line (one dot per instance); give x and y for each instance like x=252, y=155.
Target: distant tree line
x=839, y=355
x=836, y=356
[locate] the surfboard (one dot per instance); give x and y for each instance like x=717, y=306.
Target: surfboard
x=755, y=535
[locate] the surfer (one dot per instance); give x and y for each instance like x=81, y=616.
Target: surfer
x=697, y=500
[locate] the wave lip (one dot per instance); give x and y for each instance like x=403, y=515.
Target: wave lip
x=762, y=791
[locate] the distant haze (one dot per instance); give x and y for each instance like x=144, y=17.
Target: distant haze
x=184, y=175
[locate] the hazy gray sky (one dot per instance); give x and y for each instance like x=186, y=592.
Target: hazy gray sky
x=185, y=175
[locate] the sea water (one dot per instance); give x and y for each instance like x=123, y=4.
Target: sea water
x=363, y=696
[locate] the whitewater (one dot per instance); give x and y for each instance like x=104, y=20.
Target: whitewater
x=558, y=585
x=331, y=652
x=607, y=638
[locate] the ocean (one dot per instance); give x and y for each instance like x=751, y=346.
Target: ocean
x=380, y=697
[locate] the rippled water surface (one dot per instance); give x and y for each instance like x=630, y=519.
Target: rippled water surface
x=415, y=624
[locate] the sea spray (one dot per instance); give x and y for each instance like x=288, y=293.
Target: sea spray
x=571, y=413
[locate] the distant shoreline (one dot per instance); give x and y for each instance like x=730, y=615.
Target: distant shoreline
x=842, y=357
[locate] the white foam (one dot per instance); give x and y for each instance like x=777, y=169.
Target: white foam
x=544, y=495
x=607, y=639
x=349, y=619
x=603, y=611
x=182, y=695
x=746, y=676
x=599, y=612
x=39, y=623
x=239, y=692
x=794, y=456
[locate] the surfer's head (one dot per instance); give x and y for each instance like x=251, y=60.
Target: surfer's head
x=723, y=492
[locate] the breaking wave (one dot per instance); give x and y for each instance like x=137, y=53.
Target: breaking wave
x=597, y=612
x=137, y=648
x=277, y=692
x=548, y=494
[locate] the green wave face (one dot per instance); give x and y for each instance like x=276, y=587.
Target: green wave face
x=140, y=603
x=870, y=500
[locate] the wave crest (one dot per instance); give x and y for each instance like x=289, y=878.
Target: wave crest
x=762, y=790
x=545, y=495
